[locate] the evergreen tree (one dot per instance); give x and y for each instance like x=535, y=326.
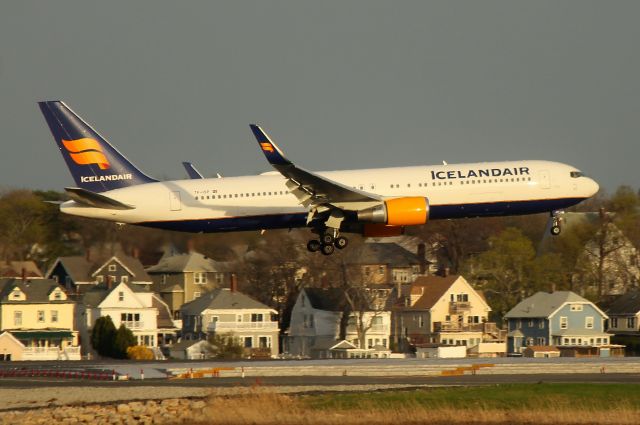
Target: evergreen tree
x=124, y=339
x=103, y=336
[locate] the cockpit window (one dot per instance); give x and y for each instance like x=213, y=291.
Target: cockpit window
x=576, y=174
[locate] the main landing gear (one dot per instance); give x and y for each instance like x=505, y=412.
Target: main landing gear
x=556, y=223
x=329, y=240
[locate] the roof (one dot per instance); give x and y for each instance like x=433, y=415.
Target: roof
x=82, y=270
x=330, y=299
x=36, y=290
x=186, y=343
x=543, y=304
x=15, y=268
x=432, y=288
x=171, y=288
x=42, y=333
x=579, y=332
x=191, y=262
x=382, y=253
x=221, y=299
x=627, y=304
x=96, y=294
x=164, y=314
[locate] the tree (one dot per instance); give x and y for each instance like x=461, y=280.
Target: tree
x=103, y=336
x=22, y=225
x=226, y=346
x=123, y=340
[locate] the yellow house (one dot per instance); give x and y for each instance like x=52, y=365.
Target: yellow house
x=38, y=313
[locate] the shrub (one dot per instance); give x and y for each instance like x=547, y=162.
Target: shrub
x=103, y=336
x=140, y=352
x=123, y=340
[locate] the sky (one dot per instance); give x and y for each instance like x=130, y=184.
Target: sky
x=337, y=84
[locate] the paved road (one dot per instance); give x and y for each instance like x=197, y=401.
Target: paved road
x=332, y=381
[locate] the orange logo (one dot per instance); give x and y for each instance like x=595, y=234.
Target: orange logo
x=86, y=151
x=267, y=147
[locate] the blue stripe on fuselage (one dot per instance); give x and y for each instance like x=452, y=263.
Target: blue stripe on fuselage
x=287, y=221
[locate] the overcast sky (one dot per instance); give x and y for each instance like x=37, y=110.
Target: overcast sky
x=338, y=84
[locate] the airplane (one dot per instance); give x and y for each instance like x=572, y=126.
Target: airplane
x=371, y=202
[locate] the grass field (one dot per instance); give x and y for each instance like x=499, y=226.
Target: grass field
x=500, y=404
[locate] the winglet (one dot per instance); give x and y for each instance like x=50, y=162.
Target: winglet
x=192, y=171
x=273, y=154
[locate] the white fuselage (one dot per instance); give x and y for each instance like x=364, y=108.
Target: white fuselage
x=263, y=201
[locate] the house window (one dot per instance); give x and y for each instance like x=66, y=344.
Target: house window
x=588, y=322
x=200, y=278
x=40, y=316
x=16, y=293
x=57, y=295
x=54, y=316
x=380, y=269
x=248, y=341
x=518, y=324
x=238, y=318
x=563, y=322
x=614, y=322
x=576, y=307
x=264, y=342
x=124, y=279
x=99, y=279
x=631, y=322
x=540, y=340
x=17, y=318
x=531, y=323
x=421, y=321
x=196, y=294
x=256, y=317
x=120, y=296
x=112, y=267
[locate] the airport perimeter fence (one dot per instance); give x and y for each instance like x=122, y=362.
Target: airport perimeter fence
x=59, y=374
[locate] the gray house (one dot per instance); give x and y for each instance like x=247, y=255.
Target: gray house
x=561, y=318
x=229, y=313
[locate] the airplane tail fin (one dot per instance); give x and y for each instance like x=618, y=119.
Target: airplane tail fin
x=95, y=165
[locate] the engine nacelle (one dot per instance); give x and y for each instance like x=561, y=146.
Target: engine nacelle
x=406, y=211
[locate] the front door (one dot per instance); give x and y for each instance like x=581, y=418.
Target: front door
x=176, y=204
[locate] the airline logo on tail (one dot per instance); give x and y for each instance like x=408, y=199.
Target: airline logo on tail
x=267, y=147
x=86, y=151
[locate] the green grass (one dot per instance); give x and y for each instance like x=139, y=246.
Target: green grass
x=502, y=397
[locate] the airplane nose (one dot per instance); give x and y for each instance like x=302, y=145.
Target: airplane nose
x=592, y=187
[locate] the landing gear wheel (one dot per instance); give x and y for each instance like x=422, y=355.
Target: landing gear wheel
x=327, y=239
x=555, y=230
x=314, y=245
x=327, y=249
x=341, y=242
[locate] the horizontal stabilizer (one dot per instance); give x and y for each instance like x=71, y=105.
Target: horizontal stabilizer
x=96, y=200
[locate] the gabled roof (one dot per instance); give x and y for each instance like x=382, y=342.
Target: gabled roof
x=221, y=299
x=96, y=294
x=191, y=262
x=82, y=270
x=36, y=290
x=14, y=269
x=627, y=304
x=164, y=314
x=187, y=343
x=331, y=299
x=432, y=288
x=382, y=253
x=544, y=304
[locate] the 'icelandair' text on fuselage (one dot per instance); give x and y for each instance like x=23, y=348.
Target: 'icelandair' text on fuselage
x=112, y=177
x=486, y=172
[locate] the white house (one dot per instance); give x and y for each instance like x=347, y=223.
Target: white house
x=315, y=323
x=133, y=307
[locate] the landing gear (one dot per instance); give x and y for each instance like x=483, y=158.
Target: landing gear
x=314, y=245
x=556, y=223
x=328, y=241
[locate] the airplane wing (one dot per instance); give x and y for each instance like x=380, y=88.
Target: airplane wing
x=311, y=189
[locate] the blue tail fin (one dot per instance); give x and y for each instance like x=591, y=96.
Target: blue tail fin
x=94, y=164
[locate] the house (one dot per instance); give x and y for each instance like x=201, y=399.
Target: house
x=544, y=351
x=315, y=324
x=40, y=316
x=78, y=274
x=624, y=314
x=180, y=278
x=438, y=351
x=227, y=312
x=443, y=310
x=126, y=304
x=374, y=263
x=19, y=270
x=560, y=318
x=191, y=350
x=11, y=349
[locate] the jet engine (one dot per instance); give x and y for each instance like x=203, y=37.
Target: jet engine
x=406, y=211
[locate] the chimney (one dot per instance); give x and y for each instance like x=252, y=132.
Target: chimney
x=445, y=272
x=233, y=285
x=191, y=244
x=87, y=254
x=136, y=253
x=24, y=274
x=422, y=257
x=109, y=282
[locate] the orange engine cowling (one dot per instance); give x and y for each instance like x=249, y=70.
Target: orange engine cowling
x=406, y=211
